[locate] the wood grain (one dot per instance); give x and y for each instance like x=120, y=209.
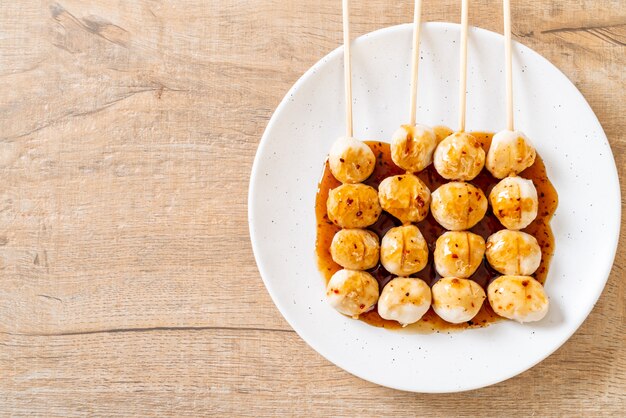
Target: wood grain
x=127, y=281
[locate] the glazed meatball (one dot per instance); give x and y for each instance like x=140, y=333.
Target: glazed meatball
x=406, y=197
x=458, y=206
x=352, y=292
x=458, y=254
x=513, y=253
x=412, y=147
x=353, y=206
x=403, y=250
x=457, y=300
x=520, y=298
x=459, y=157
x=355, y=249
x=350, y=160
x=404, y=300
x=514, y=202
x=510, y=153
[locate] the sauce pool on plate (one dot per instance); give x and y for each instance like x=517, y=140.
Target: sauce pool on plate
x=431, y=230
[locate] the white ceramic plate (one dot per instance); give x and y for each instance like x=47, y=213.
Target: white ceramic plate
x=549, y=109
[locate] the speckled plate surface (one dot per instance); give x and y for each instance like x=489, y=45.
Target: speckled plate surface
x=549, y=109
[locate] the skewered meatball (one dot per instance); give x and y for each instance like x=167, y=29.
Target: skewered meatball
x=511, y=152
x=458, y=254
x=459, y=157
x=352, y=292
x=513, y=252
x=457, y=205
x=406, y=197
x=353, y=206
x=403, y=250
x=520, y=298
x=457, y=300
x=412, y=147
x=514, y=202
x=350, y=160
x=404, y=300
x=355, y=249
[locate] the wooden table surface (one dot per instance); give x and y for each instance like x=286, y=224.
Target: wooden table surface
x=127, y=280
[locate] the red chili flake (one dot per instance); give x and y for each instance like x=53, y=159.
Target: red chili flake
x=359, y=213
x=342, y=160
x=525, y=283
x=455, y=256
x=362, y=306
x=349, y=201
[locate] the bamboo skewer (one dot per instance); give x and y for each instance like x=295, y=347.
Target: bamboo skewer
x=463, y=64
x=347, y=67
x=508, y=58
x=417, y=18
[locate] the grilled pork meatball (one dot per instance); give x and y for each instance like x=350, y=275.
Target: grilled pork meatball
x=510, y=153
x=350, y=160
x=403, y=250
x=405, y=196
x=457, y=300
x=514, y=202
x=353, y=206
x=513, y=252
x=458, y=254
x=404, y=300
x=520, y=298
x=356, y=249
x=459, y=157
x=412, y=147
x=458, y=205
x=352, y=292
